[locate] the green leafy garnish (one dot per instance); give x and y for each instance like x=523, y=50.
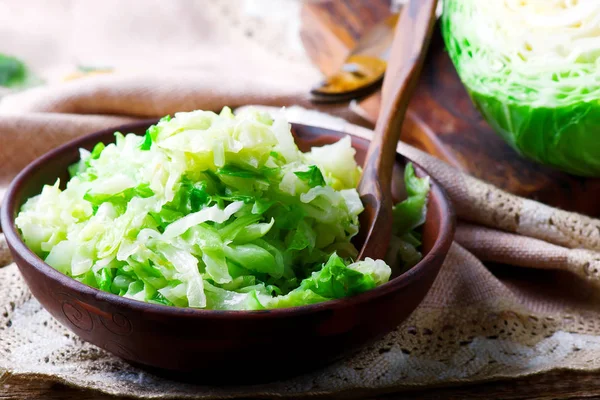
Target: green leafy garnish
x=14, y=74
x=12, y=71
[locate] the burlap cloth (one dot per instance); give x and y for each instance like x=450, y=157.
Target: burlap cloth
x=485, y=317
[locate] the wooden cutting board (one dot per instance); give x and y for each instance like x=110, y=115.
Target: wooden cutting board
x=441, y=118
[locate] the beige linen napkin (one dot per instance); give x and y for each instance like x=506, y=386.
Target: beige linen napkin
x=517, y=294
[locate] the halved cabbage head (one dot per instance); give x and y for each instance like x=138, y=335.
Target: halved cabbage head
x=214, y=211
x=532, y=67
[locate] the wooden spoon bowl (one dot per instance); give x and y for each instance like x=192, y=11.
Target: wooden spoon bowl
x=223, y=346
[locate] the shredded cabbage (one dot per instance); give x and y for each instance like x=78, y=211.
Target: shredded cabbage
x=215, y=211
x=532, y=68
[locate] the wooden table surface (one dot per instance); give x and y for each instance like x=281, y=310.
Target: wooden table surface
x=554, y=385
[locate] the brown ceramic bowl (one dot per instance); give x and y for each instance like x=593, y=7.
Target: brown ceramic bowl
x=239, y=346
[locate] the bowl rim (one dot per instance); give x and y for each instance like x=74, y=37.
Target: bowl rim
x=16, y=243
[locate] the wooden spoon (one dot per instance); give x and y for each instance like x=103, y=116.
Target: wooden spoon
x=407, y=56
x=363, y=68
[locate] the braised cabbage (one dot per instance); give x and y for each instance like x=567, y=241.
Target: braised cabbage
x=216, y=211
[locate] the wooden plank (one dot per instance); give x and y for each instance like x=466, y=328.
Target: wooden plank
x=551, y=385
x=329, y=28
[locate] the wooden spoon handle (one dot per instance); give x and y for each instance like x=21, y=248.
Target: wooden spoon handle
x=413, y=33
x=407, y=56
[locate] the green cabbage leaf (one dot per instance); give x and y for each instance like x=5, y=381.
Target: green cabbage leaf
x=532, y=68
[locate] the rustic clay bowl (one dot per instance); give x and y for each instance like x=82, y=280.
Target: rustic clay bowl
x=222, y=346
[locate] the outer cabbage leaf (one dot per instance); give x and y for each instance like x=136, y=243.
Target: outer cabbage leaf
x=532, y=68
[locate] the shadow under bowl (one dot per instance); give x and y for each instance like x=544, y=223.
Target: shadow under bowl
x=208, y=346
